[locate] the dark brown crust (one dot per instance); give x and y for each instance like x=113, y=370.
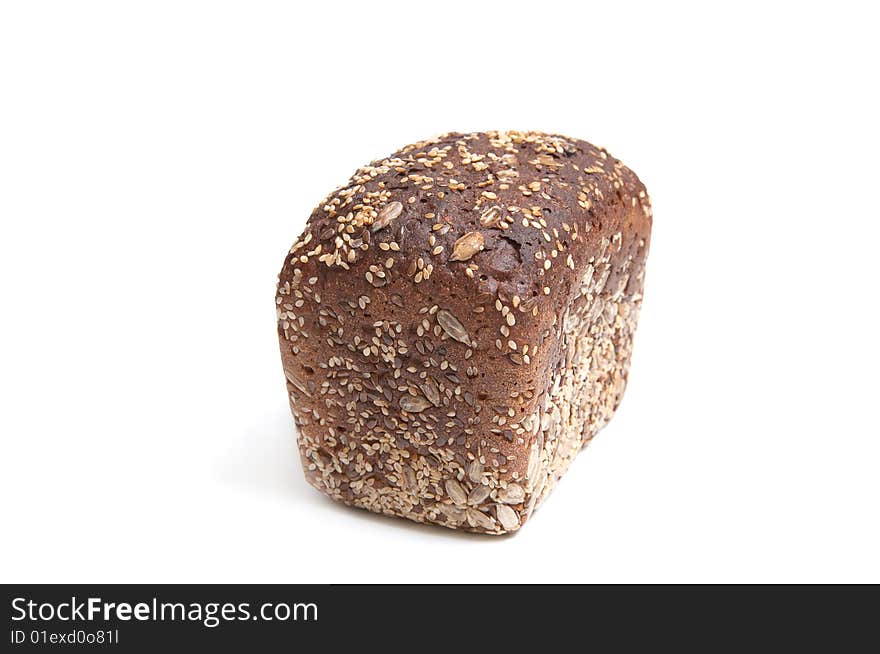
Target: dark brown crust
x=364, y=325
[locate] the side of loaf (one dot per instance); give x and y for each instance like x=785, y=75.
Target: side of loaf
x=456, y=324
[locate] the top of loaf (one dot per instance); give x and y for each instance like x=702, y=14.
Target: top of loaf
x=481, y=204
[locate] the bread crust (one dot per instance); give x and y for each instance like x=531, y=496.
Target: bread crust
x=456, y=323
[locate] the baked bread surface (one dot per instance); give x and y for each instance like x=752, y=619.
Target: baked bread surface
x=456, y=324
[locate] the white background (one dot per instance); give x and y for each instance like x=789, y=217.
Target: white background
x=158, y=159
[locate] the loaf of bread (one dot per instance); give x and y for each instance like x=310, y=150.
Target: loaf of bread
x=456, y=324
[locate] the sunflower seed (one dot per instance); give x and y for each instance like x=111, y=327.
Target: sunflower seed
x=478, y=519
x=588, y=275
x=467, y=246
x=513, y=494
x=536, y=422
x=429, y=388
x=297, y=383
x=477, y=495
x=453, y=327
x=456, y=492
x=507, y=517
x=490, y=216
x=388, y=213
x=409, y=479
x=475, y=471
x=539, y=486
x=534, y=465
x=545, y=421
x=453, y=513
x=413, y=404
